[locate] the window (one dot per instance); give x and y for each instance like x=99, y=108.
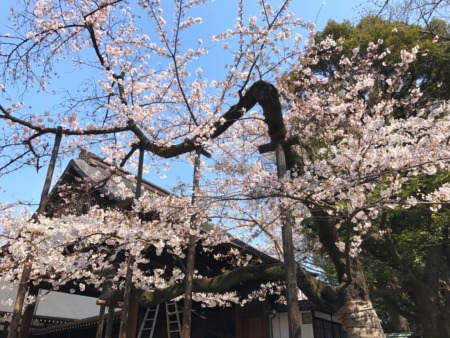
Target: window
x=327, y=329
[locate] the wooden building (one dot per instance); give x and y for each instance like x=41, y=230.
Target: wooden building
x=92, y=185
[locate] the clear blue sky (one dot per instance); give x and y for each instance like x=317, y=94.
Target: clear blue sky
x=26, y=184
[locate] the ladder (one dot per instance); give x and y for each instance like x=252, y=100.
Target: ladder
x=149, y=322
x=173, y=315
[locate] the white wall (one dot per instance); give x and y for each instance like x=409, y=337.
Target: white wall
x=56, y=304
x=280, y=327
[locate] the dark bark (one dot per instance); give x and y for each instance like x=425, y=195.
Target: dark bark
x=260, y=92
x=398, y=306
x=109, y=322
x=431, y=308
x=431, y=311
x=328, y=236
x=126, y=298
x=20, y=299
x=355, y=311
x=357, y=315
x=349, y=270
x=434, y=322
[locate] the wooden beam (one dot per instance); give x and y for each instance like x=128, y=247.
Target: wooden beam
x=272, y=146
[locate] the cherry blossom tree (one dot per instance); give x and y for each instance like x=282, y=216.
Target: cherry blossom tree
x=130, y=90
x=369, y=131
x=142, y=86
x=400, y=302
x=412, y=11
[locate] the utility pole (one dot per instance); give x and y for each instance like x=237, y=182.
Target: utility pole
x=288, y=242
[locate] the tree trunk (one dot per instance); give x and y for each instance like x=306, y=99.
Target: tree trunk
x=433, y=320
x=432, y=311
x=398, y=322
x=356, y=314
x=360, y=320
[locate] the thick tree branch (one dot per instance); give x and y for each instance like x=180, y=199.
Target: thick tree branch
x=328, y=236
x=314, y=289
x=260, y=92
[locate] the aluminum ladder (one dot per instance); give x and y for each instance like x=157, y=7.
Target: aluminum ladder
x=149, y=322
x=173, y=319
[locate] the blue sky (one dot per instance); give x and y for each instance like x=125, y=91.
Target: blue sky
x=26, y=184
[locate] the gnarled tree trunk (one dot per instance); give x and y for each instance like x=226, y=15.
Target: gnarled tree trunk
x=433, y=317
x=360, y=320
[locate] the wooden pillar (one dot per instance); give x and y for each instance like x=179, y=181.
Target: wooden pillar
x=133, y=315
x=289, y=258
x=190, y=265
x=101, y=321
x=238, y=317
x=293, y=310
x=27, y=318
x=5, y=329
x=109, y=322
x=124, y=320
x=20, y=299
x=126, y=299
x=28, y=265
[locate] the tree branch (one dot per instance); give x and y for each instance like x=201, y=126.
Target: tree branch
x=260, y=92
x=314, y=289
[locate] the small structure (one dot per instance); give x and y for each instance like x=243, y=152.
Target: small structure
x=265, y=319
